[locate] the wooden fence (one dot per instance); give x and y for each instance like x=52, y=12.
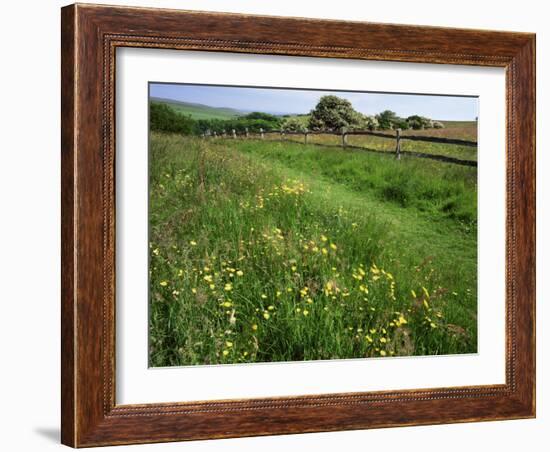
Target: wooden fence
x=344, y=134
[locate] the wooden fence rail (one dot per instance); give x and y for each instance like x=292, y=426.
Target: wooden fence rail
x=344, y=141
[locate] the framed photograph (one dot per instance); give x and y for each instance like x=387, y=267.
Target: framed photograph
x=281, y=225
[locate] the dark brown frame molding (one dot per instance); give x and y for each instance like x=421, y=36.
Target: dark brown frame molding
x=90, y=35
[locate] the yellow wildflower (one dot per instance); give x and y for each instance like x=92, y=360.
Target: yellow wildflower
x=164, y=283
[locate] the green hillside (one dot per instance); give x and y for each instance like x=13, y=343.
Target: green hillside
x=200, y=111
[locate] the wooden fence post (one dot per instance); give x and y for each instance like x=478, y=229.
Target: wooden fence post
x=223, y=133
x=398, y=144
x=282, y=135
x=261, y=133
x=215, y=134
x=234, y=134
x=305, y=136
x=344, y=137
x=246, y=132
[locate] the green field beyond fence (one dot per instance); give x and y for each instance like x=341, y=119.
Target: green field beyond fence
x=450, y=150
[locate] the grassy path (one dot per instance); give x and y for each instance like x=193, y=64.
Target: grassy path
x=442, y=242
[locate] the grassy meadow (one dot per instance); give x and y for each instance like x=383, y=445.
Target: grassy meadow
x=264, y=251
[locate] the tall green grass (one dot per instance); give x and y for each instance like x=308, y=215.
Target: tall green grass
x=443, y=190
x=275, y=252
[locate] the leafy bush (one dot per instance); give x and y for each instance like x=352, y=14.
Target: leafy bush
x=294, y=124
x=165, y=119
x=333, y=113
x=400, y=123
x=259, y=115
x=417, y=122
x=239, y=124
x=386, y=119
x=365, y=122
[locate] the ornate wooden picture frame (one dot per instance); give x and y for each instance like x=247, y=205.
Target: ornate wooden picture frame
x=90, y=37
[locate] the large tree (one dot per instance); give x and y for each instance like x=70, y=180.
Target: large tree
x=333, y=113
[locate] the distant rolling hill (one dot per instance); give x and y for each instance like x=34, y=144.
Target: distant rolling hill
x=200, y=111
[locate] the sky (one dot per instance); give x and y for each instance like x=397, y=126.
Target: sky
x=284, y=101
